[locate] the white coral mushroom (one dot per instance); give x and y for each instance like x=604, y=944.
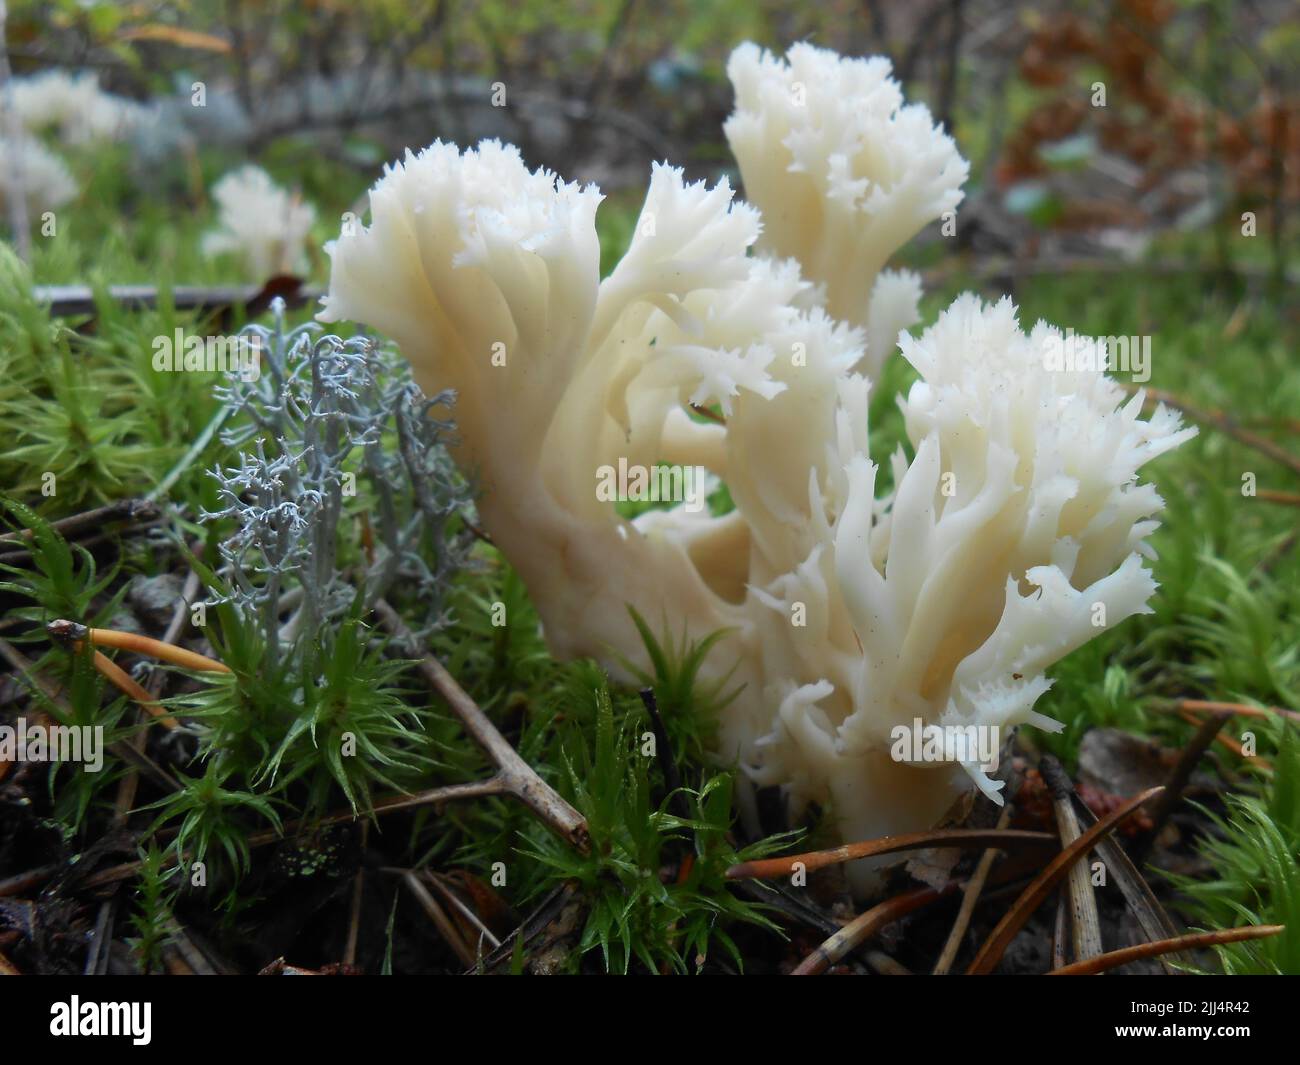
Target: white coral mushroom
x=487, y=276
x=844, y=173
x=1013, y=534
x=263, y=224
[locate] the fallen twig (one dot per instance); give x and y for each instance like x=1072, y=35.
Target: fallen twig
x=993, y=269
x=74, y=635
x=553, y=911
x=1151, y=916
x=280, y=967
x=125, y=683
x=770, y=868
x=1085, y=926
x=195, y=958
x=446, y=927
x=1060, y=931
x=1204, y=706
x=1231, y=744
x=72, y=632
x=866, y=925
x=1182, y=773
x=24, y=882
x=969, y=897
x=514, y=776
x=1104, y=962
x=885, y=965
x=131, y=510
x=20, y=553
x=1041, y=886
x=485, y=933
x=1288, y=499
x=69, y=300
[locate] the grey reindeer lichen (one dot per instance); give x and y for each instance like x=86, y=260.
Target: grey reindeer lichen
x=324, y=421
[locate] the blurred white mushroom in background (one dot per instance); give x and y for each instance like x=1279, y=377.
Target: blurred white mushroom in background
x=263, y=224
x=35, y=172
x=75, y=108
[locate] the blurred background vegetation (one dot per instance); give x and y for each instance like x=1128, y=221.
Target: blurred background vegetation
x=1201, y=120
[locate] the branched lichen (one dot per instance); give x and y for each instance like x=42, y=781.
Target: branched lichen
x=327, y=422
